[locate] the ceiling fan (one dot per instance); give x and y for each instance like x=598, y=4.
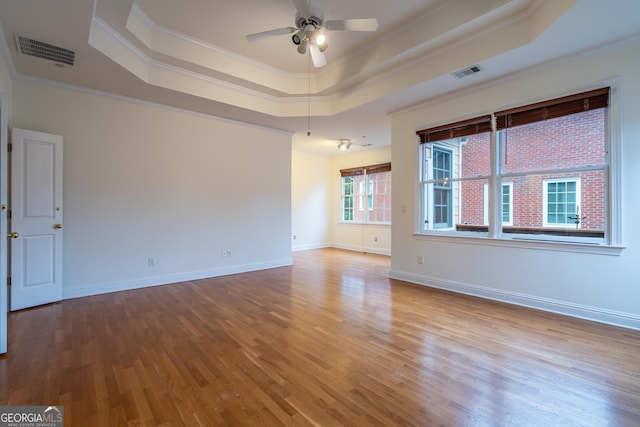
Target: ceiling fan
x=307, y=34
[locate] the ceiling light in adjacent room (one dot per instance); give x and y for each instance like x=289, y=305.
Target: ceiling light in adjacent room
x=344, y=144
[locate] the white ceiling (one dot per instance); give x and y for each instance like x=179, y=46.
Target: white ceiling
x=193, y=54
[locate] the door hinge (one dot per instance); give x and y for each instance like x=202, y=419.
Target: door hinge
x=9, y=214
x=10, y=147
x=8, y=281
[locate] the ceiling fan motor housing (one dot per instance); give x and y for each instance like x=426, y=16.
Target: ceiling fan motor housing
x=316, y=18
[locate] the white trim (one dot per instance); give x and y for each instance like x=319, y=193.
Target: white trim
x=152, y=26
x=104, y=288
x=614, y=171
x=522, y=242
x=4, y=194
x=610, y=317
x=366, y=249
x=309, y=246
x=125, y=98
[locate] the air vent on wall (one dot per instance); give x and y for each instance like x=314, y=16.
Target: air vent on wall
x=466, y=71
x=44, y=50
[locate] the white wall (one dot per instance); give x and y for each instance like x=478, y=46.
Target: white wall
x=600, y=287
x=146, y=181
x=310, y=192
x=357, y=237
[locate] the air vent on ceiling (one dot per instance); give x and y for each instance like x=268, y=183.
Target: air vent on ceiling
x=44, y=50
x=466, y=71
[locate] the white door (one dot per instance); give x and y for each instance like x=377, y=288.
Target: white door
x=36, y=219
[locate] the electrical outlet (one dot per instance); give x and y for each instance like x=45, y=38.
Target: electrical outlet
x=151, y=261
x=420, y=259
x=375, y=239
x=225, y=253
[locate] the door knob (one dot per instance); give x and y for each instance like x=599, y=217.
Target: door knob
x=14, y=235
x=57, y=226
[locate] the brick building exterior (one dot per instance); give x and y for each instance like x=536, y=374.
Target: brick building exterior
x=566, y=142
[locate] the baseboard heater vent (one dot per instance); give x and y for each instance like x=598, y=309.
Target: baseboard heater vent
x=57, y=54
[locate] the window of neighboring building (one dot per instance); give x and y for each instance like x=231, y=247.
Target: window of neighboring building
x=546, y=165
x=561, y=208
x=370, y=186
x=506, y=203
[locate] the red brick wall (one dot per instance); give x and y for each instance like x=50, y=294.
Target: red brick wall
x=565, y=142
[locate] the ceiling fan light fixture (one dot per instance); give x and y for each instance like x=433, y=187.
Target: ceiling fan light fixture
x=302, y=47
x=320, y=40
x=298, y=37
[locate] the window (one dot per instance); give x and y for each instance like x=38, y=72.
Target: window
x=442, y=202
x=506, y=203
x=561, y=208
x=454, y=170
x=347, y=198
x=548, y=163
x=370, y=186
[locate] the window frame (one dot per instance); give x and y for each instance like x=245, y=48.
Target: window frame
x=345, y=196
x=365, y=196
x=612, y=243
x=445, y=186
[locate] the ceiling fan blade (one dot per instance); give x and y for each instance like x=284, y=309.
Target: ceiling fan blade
x=303, y=8
x=366, y=24
x=264, y=34
x=317, y=57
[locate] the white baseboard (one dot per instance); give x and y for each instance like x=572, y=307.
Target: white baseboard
x=596, y=314
x=370, y=250
x=104, y=288
x=307, y=247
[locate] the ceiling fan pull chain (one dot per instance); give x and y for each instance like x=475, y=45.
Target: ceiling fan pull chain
x=309, y=100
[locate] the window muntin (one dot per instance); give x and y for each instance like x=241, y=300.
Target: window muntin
x=557, y=141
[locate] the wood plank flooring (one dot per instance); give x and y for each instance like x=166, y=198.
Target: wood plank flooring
x=331, y=341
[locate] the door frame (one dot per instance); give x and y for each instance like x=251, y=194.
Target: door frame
x=4, y=190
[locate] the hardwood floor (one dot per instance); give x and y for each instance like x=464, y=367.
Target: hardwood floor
x=330, y=341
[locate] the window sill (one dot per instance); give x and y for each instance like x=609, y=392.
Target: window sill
x=525, y=243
